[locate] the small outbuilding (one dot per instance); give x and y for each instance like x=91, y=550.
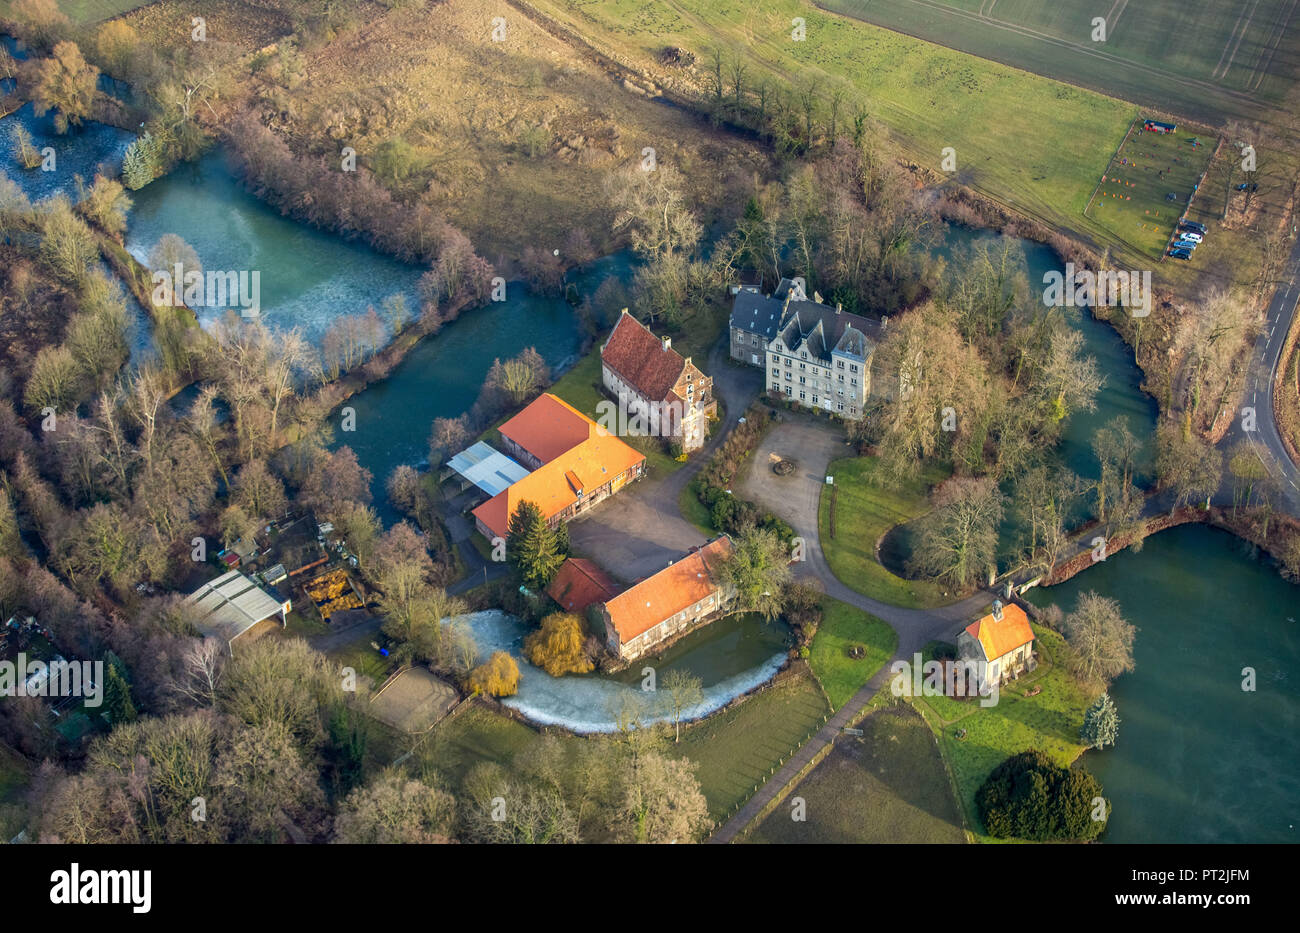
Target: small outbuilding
x=232, y=604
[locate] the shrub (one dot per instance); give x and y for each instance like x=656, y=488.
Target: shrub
x=497, y=677
x=1029, y=797
x=557, y=647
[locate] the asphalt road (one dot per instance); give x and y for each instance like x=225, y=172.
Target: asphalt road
x=1260, y=378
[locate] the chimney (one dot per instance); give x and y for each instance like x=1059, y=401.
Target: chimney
x=667, y=342
x=839, y=308
x=997, y=610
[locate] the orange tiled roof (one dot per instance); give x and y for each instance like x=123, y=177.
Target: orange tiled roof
x=579, y=584
x=668, y=592
x=548, y=426
x=999, y=638
x=554, y=486
x=638, y=356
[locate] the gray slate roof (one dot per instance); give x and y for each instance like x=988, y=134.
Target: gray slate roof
x=796, y=318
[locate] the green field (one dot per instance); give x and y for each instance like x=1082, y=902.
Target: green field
x=734, y=750
x=889, y=786
x=863, y=512
x=1131, y=198
x=82, y=12
x=740, y=748
x=1206, y=61
x=842, y=627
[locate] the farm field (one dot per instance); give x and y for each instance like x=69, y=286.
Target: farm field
x=1207, y=61
x=1037, y=145
x=887, y=786
x=1133, y=197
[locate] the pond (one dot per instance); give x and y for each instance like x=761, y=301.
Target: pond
x=82, y=151
x=1199, y=759
x=730, y=657
x=308, y=278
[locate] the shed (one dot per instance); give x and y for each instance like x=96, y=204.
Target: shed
x=232, y=604
x=487, y=468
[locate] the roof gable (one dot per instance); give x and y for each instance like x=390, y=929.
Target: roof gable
x=560, y=482
x=548, y=426
x=678, y=586
x=579, y=584
x=640, y=359
x=997, y=638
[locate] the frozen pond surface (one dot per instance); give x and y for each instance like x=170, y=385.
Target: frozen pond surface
x=731, y=656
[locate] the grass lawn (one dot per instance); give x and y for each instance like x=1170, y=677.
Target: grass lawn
x=14, y=774
x=842, y=627
x=863, y=513
x=82, y=12
x=738, y=749
x=694, y=511
x=1131, y=199
x=888, y=786
x=1048, y=722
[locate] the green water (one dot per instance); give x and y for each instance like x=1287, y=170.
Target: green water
x=308, y=278
x=1199, y=759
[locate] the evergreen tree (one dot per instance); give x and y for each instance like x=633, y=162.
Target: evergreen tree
x=1100, y=723
x=143, y=161
x=535, y=550
x=118, y=706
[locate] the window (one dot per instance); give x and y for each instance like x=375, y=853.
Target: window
x=803, y=365
x=842, y=378
x=853, y=368
x=776, y=374
x=755, y=339
x=839, y=363
x=855, y=382
x=802, y=396
x=840, y=406
x=814, y=400
x=803, y=380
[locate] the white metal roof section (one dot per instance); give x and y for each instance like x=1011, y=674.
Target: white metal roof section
x=487, y=468
x=230, y=605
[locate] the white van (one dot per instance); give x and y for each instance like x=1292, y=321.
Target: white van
x=1189, y=235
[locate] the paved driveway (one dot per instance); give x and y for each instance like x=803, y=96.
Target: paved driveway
x=812, y=444
x=638, y=531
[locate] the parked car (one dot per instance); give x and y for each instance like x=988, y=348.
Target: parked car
x=1181, y=253
x=1171, y=196
x=1193, y=225
x=1185, y=244
x=1248, y=186
x=1191, y=235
